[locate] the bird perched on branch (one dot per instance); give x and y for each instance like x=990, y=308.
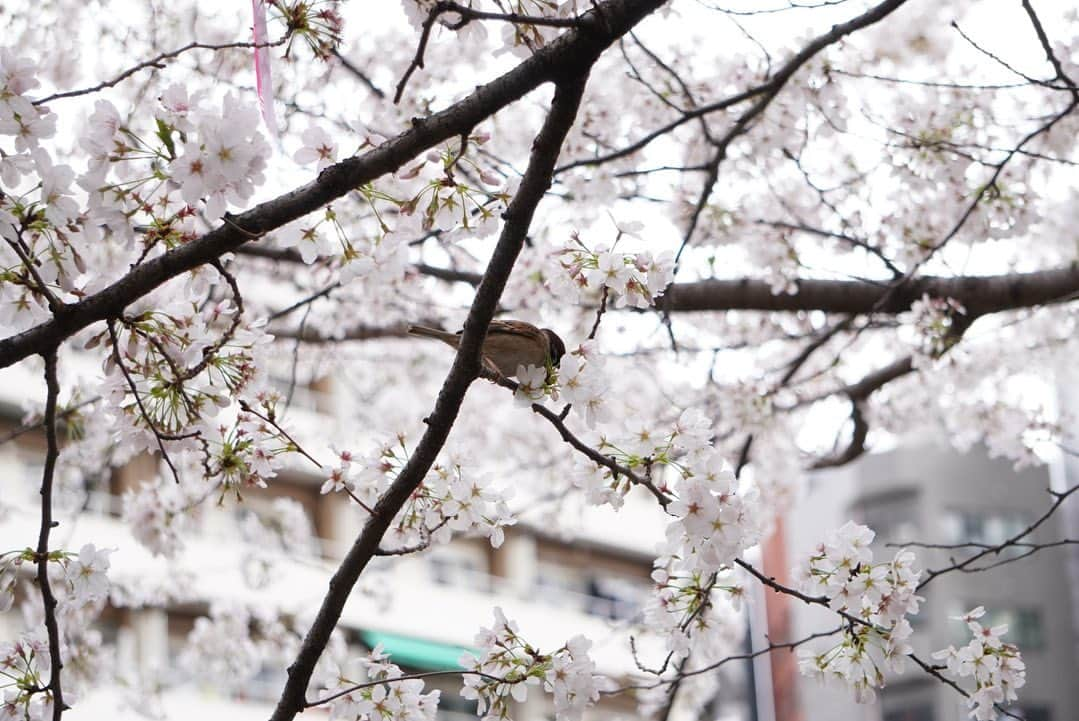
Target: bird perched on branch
x=509, y=344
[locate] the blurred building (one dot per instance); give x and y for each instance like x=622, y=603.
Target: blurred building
x=424, y=609
x=934, y=495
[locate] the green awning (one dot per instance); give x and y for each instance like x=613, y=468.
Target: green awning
x=417, y=653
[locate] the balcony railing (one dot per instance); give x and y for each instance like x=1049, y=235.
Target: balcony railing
x=555, y=596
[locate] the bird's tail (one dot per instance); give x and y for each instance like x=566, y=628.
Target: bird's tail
x=425, y=332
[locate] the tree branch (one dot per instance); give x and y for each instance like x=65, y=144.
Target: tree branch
x=767, y=90
x=965, y=565
x=465, y=369
x=595, y=456
x=48, y=600
x=155, y=62
x=568, y=55
x=978, y=294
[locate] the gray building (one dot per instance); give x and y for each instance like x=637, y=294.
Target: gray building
x=936, y=495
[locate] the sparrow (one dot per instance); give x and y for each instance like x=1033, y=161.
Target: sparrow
x=509, y=343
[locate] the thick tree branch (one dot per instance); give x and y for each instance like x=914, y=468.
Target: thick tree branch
x=565, y=57
x=856, y=447
x=466, y=368
x=978, y=294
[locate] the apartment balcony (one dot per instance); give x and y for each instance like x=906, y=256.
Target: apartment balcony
x=431, y=596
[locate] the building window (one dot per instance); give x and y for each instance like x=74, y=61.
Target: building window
x=919, y=712
x=618, y=599
x=989, y=528
x=1025, y=627
x=607, y=595
x=460, y=565
x=892, y=515
x=561, y=586
x=1032, y=713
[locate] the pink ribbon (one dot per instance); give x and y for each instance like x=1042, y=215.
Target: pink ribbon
x=263, y=79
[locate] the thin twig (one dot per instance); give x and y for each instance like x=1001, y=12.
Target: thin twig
x=406, y=677
x=1059, y=498
x=417, y=59
x=606, y=461
x=61, y=415
x=48, y=600
x=155, y=62
x=158, y=435
x=599, y=313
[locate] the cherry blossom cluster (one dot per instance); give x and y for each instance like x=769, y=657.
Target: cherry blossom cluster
x=582, y=381
x=694, y=612
x=933, y=322
x=447, y=189
x=693, y=616
x=715, y=517
x=646, y=451
x=697, y=591
x=318, y=25
x=156, y=513
x=224, y=160
x=508, y=665
x=38, y=262
x=245, y=449
x=875, y=598
x=228, y=647
x=579, y=380
x=714, y=522
x=176, y=359
x=191, y=379
x=447, y=192
x=85, y=574
x=449, y=501
x=378, y=693
x=996, y=667
x=19, y=117
x=381, y=258
x=249, y=450
x=218, y=157
x=629, y=279
x=26, y=666
x=81, y=587
x=170, y=368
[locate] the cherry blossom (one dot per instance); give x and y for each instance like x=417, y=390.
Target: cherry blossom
x=877, y=598
x=752, y=247
x=996, y=667
x=318, y=147
x=508, y=665
x=87, y=574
